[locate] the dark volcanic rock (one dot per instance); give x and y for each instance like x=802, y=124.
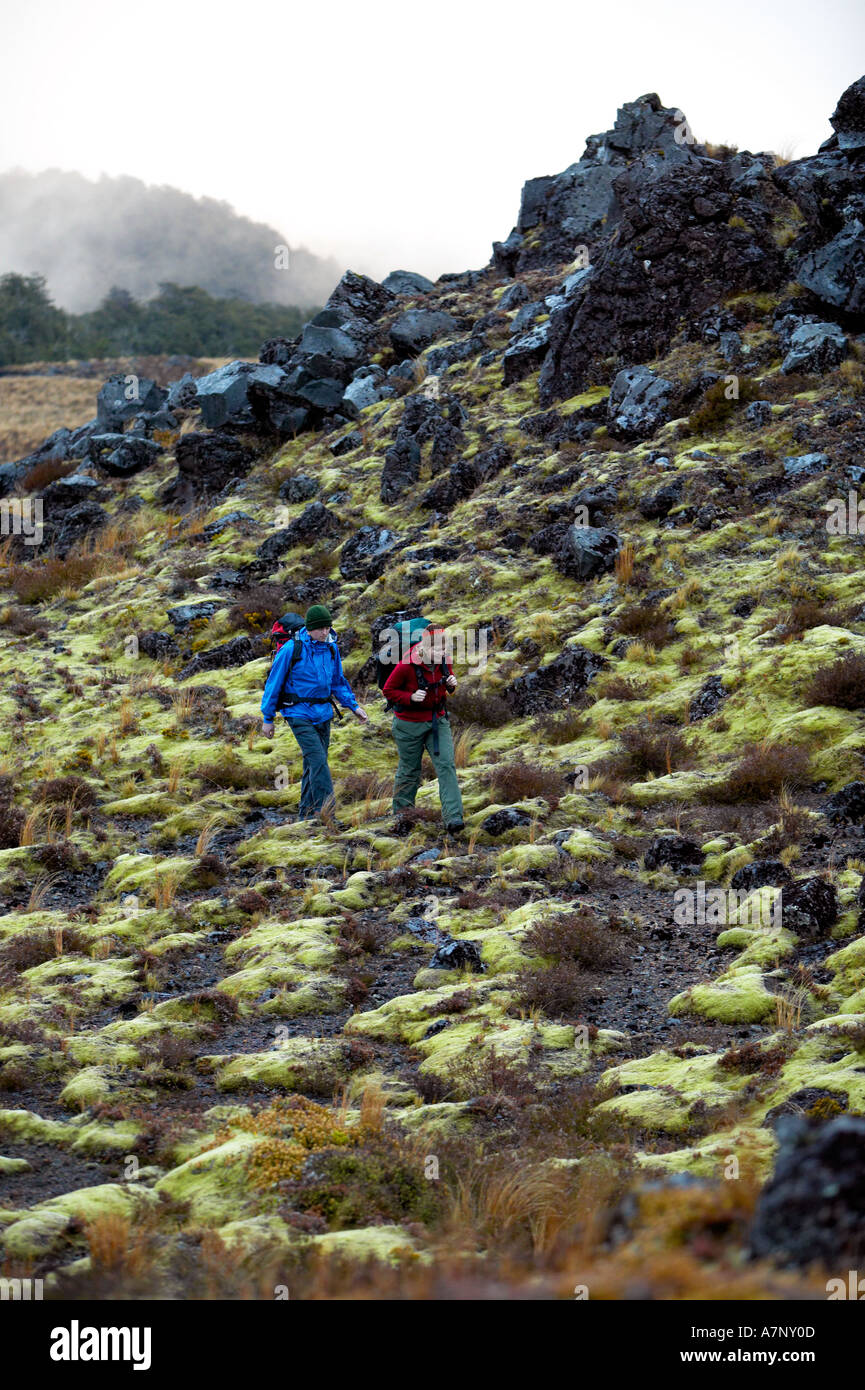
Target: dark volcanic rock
x=122, y=455
x=674, y=255
x=598, y=499
x=674, y=852
x=638, y=403
x=67, y=492
x=806, y=1099
x=234, y=653
x=206, y=463
x=829, y=188
x=659, y=504
x=74, y=525
x=401, y=467
x=560, y=212
x=465, y=475
x=123, y=397
x=815, y=347
x=314, y=522
x=223, y=396
x=526, y=354
x=407, y=282
x=763, y=873
x=707, y=700
x=346, y=443
x=157, y=645
x=810, y=907
x=586, y=551
x=437, y=419
x=508, y=818
x=836, y=272
x=848, y=804
x=187, y=613
x=458, y=955
x=813, y=1207
x=299, y=488
x=418, y=328
x=364, y=555
x=556, y=685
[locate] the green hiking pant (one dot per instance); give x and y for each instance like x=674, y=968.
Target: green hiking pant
x=411, y=740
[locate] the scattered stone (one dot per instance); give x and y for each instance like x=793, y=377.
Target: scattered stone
x=556, y=685
x=418, y=329
x=762, y=873
x=525, y=354
x=813, y=1207
x=586, y=551
x=815, y=347
x=122, y=455
x=810, y=907
x=802, y=465
x=364, y=555
x=234, y=653
x=187, y=613
x=123, y=397
x=458, y=955
x=638, y=403
x=660, y=503
x=299, y=488
x=707, y=700
x=407, y=282
x=848, y=804
x=674, y=852
x=508, y=818
x=347, y=443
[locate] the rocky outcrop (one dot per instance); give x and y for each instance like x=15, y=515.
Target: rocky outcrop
x=829, y=187
x=558, y=213
x=556, y=685
x=691, y=232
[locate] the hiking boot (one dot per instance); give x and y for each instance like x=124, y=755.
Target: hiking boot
x=455, y=827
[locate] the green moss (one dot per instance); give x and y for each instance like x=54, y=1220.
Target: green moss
x=738, y=996
x=214, y=1183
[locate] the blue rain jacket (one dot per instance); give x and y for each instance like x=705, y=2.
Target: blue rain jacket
x=315, y=673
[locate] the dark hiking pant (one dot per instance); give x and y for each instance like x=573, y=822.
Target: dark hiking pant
x=316, y=786
x=411, y=740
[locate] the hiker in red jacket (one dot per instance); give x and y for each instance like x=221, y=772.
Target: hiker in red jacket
x=417, y=690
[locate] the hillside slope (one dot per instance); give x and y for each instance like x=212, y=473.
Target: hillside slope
x=229, y=1060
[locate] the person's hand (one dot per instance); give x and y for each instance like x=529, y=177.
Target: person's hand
x=451, y=683
x=267, y=728
x=362, y=714
x=418, y=696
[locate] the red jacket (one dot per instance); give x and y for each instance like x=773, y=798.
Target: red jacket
x=402, y=681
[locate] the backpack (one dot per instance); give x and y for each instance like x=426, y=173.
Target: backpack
x=285, y=629
x=409, y=631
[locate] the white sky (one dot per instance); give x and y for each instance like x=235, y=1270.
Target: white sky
x=393, y=133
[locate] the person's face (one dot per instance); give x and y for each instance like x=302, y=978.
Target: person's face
x=435, y=646
x=319, y=634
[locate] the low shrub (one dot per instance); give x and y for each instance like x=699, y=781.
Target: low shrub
x=474, y=705
x=842, y=684
x=520, y=780
x=762, y=771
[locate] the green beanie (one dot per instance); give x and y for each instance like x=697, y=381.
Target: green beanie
x=318, y=616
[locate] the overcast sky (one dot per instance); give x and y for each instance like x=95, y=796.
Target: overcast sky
x=393, y=133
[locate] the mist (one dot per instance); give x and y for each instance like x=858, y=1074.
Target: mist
x=86, y=236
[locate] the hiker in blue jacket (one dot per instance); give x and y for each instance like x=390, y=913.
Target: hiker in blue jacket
x=305, y=679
